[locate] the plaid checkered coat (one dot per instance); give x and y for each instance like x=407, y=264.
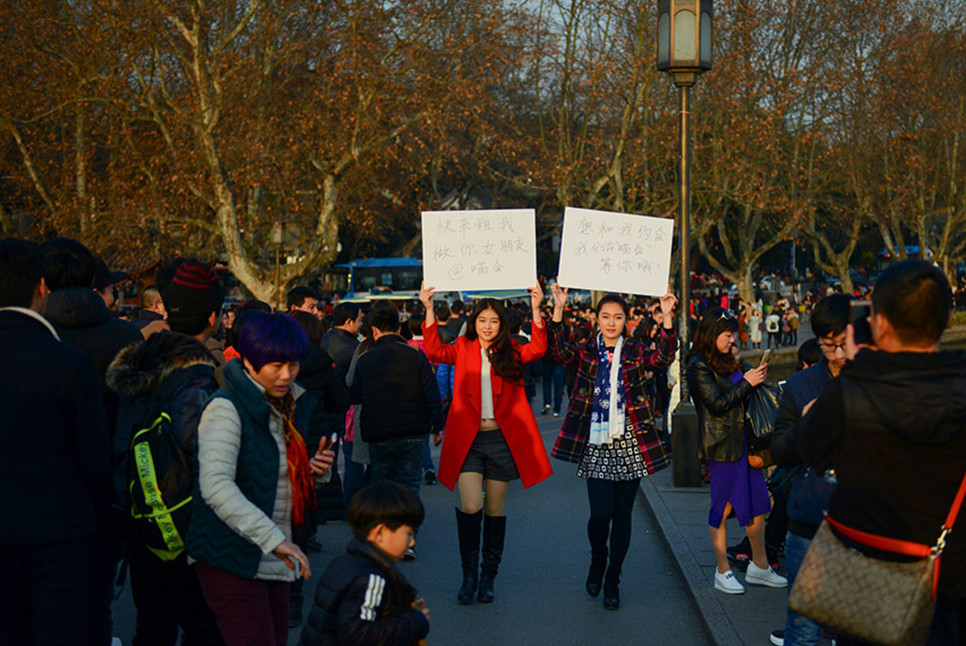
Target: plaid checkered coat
x=635, y=360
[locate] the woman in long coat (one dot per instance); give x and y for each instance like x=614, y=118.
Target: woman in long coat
x=491, y=435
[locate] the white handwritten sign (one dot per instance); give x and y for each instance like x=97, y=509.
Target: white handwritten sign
x=615, y=252
x=470, y=250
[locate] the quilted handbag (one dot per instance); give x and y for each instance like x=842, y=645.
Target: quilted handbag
x=885, y=602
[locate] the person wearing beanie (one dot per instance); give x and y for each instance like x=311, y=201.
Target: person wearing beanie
x=193, y=300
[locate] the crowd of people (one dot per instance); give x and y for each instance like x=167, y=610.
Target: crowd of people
x=195, y=448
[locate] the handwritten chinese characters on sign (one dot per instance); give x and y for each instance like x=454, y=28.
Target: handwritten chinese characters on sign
x=615, y=252
x=472, y=250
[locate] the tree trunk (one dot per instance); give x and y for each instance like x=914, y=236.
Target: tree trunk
x=746, y=285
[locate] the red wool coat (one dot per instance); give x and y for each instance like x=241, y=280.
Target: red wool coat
x=510, y=408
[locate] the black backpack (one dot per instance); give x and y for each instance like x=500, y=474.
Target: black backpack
x=160, y=485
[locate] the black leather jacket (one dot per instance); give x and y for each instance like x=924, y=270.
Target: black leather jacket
x=720, y=405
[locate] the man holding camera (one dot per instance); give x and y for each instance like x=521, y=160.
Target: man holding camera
x=893, y=426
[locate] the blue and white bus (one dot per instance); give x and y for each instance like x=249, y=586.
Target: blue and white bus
x=395, y=278
x=369, y=277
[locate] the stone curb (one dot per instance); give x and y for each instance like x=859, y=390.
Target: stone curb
x=717, y=625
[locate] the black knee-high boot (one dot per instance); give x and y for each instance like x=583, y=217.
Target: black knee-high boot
x=595, y=575
x=468, y=528
x=612, y=580
x=494, y=534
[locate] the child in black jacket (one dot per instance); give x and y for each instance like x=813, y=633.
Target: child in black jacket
x=362, y=598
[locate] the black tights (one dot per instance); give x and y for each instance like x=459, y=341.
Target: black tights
x=611, y=506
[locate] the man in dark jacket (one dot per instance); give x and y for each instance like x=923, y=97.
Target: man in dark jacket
x=893, y=425
x=55, y=461
x=173, y=373
x=341, y=341
x=397, y=389
x=810, y=491
x=83, y=321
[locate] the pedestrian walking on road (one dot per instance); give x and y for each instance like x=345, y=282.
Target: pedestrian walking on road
x=609, y=429
x=399, y=403
x=254, y=482
x=720, y=386
x=491, y=434
x=754, y=329
x=773, y=324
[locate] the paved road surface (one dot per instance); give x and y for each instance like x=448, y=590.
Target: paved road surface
x=539, y=592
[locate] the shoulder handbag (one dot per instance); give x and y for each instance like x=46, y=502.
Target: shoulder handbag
x=761, y=412
x=885, y=602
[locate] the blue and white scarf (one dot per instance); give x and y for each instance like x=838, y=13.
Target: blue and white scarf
x=607, y=413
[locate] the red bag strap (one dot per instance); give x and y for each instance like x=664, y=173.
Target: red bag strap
x=883, y=543
x=908, y=548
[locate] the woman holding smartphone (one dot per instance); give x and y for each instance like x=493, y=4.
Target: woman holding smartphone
x=720, y=385
x=491, y=435
x=609, y=429
x=255, y=482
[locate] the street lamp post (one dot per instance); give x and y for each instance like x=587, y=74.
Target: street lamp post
x=684, y=52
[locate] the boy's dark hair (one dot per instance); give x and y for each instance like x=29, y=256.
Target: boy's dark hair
x=311, y=324
x=383, y=503
x=297, y=295
x=441, y=310
x=415, y=325
x=830, y=316
x=344, y=312
x=809, y=353
x=914, y=296
x=457, y=307
x=69, y=264
x=515, y=322
x=385, y=319
x=21, y=268
x=255, y=305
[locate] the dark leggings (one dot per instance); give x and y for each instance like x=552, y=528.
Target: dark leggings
x=611, y=505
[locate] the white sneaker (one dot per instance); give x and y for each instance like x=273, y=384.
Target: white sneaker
x=727, y=583
x=754, y=575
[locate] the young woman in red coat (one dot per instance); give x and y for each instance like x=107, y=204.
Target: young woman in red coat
x=491, y=434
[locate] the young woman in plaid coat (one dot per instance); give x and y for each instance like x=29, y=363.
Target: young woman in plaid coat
x=609, y=428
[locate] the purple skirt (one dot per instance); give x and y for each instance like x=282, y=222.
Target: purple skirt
x=736, y=482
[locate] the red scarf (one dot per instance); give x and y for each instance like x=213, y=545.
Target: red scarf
x=297, y=456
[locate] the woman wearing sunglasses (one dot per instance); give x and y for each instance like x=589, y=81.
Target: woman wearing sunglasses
x=609, y=427
x=720, y=385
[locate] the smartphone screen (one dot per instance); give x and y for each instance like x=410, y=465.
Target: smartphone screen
x=859, y=313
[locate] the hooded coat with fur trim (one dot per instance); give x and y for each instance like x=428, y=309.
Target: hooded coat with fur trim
x=168, y=372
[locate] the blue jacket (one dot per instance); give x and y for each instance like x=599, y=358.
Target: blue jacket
x=811, y=492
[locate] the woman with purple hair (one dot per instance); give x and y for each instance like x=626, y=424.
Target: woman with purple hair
x=255, y=480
